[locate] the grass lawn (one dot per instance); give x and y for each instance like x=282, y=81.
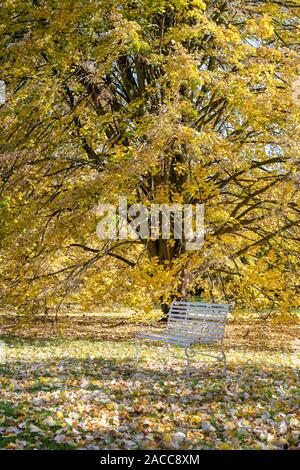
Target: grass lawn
x=79, y=388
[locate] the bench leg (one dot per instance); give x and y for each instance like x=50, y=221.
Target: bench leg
x=169, y=351
x=224, y=360
x=172, y=354
x=137, y=350
x=188, y=362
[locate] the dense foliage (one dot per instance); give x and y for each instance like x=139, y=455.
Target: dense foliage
x=178, y=101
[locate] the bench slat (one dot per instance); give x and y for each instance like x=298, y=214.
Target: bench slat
x=213, y=318
x=206, y=321
x=193, y=322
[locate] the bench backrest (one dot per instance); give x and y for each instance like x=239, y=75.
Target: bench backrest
x=206, y=321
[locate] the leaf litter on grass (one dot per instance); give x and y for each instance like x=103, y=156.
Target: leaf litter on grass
x=88, y=395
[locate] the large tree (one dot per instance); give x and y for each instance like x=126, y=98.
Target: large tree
x=178, y=101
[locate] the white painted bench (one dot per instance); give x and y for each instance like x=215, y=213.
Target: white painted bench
x=192, y=323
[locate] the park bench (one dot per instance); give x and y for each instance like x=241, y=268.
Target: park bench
x=190, y=324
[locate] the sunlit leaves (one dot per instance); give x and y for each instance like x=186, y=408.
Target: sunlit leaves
x=161, y=101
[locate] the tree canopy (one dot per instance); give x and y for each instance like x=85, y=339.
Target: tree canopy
x=161, y=101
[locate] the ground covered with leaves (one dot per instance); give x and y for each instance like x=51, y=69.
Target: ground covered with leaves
x=83, y=390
